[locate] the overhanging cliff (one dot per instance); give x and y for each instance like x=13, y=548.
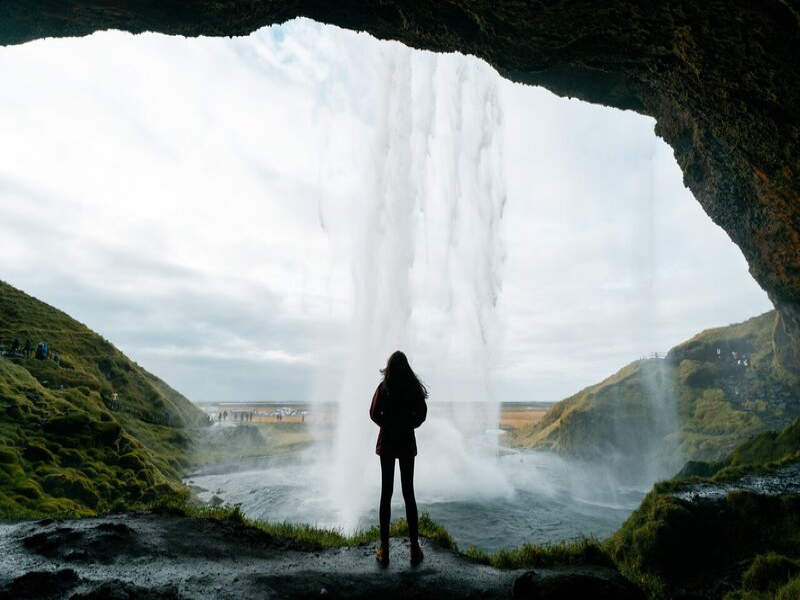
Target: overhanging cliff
x=722, y=80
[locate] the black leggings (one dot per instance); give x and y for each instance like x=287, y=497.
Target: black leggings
x=387, y=487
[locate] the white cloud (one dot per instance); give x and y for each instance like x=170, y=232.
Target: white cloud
x=194, y=201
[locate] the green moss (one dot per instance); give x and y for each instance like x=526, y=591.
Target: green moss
x=73, y=485
x=107, y=431
x=29, y=489
x=135, y=489
x=668, y=543
x=8, y=456
x=581, y=552
x=769, y=571
x=37, y=452
x=133, y=461
x=63, y=507
x=12, y=471
x=713, y=414
x=56, y=429
x=70, y=457
x=769, y=447
x=694, y=373
x=71, y=424
x=790, y=590
x=43, y=470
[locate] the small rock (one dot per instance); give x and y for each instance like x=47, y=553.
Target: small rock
x=41, y=584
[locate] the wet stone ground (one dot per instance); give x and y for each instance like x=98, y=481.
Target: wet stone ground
x=156, y=556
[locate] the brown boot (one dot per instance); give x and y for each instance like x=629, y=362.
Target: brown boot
x=415, y=554
x=382, y=555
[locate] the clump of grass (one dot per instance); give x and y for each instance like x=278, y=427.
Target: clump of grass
x=306, y=534
x=769, y=571
x=789, y=591
x=580, y=552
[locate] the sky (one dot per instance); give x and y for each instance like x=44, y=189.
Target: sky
x=240, y=216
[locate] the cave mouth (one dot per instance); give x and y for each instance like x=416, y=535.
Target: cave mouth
x=580, y=227
x=721, y=84
x=241, y=170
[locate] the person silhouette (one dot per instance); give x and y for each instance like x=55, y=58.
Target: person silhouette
x=398, y=407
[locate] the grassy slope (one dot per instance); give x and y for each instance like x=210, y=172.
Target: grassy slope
x=62, y=449
x=695, y=401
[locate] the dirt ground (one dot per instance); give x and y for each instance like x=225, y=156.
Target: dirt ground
x=157, y=556
x=515, y=417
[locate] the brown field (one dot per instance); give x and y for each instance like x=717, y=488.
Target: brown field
x=512, y=415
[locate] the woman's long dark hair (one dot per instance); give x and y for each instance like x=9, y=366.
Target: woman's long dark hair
x=398, y=376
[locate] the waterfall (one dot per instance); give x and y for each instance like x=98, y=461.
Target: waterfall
x=426, y=249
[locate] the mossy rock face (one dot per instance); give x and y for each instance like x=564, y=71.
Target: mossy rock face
x=132, y=461
x=23, y=500
x=14, y=412
x=29, y=489
x=71, y=424
x=107, y=432
x=7, y=506
x=37, y=452
x=698, y=374
x=12, y=471
x=135, y=488
x=9, y=456
x=70, y=457
x=62, y=506
x=44, y=470
x=163, y=490
x=145, y=476
x=769, y=571
x=695, y=468
x=72, y=485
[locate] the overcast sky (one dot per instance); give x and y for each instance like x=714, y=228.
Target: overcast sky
x=207, y=206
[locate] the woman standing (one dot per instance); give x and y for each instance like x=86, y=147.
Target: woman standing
x=398, y=408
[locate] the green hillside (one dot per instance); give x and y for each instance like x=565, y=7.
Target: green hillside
x=706, y=396
x=85, y=428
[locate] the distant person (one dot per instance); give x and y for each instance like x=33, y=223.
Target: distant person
x=398, y=408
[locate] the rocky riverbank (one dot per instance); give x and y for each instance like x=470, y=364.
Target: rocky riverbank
x=158, y=556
